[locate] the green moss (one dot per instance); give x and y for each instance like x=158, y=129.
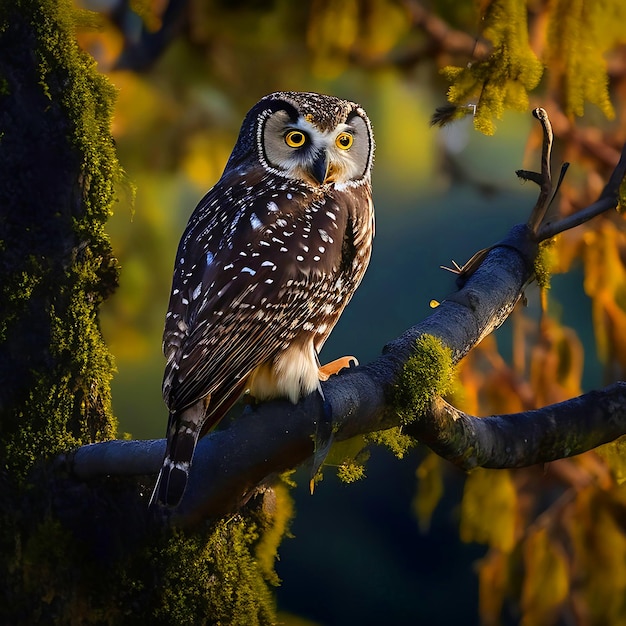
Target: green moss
x=394, y=439
x=214, y=578
x=75, y=572
x=544, y=263
x=503, y=79
x=350, y=471
x=427, y=373
x=278, y=513
x=56, y=263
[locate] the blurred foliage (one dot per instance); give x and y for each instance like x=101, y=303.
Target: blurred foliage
x=186, y=72
x=503, y=80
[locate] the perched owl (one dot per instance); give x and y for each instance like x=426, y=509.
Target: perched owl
x=270, y=257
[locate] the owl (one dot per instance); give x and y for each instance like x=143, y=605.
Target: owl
x=270, y=258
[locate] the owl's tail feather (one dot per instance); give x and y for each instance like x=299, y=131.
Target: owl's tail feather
x=183, y=432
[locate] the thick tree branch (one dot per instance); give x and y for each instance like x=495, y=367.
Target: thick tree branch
x=275, y=436
x=521, y=439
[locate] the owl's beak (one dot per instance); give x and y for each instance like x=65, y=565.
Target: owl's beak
x=319, y=171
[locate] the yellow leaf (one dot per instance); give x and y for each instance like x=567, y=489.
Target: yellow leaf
x=546, y=580
x=429, y=489
x=599, y=547
x=614, y=454
x=492, y=584
x=489, y=509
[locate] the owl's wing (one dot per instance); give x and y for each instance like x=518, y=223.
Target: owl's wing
x=254, y=266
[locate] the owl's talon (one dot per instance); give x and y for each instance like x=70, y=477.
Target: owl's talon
x=334, y=367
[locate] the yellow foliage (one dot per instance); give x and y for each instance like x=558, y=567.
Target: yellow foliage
x=492, y=584
x=339, y=28
x=599, y=545
x=150, y=11
x=614, y=454
x=429, y=489
x=332, y=31
x=502, y=80
x=546, y=580
x=579, y=34
x=556, y=363
x=489, y=509
x=605, y=284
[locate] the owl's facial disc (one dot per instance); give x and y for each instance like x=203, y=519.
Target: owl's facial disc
x=299, y=149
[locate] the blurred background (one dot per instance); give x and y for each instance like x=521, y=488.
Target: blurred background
x=186, y=73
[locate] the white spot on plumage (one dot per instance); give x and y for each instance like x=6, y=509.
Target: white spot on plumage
x=272, y=207
x=209, y=258
x=322, y=249
x=326, y=238
x=284, y=250
x=268, y=264
x=196, y=292
x=248, y=270
x=229, y=266
x=300, y=258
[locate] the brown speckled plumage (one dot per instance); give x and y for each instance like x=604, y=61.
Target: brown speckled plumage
x=269, y=259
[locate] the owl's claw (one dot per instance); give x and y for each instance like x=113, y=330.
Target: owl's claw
x=326, y=371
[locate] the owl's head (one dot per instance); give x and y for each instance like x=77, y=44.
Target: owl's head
x=310, y=137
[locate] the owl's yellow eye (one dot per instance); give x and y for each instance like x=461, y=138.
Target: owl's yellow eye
x=344, y=141
x=295, y=139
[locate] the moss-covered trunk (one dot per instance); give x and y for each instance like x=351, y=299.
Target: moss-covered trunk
x=70, y=552
x=57, y=171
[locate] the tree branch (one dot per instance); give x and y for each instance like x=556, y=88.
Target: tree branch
x=272, y=437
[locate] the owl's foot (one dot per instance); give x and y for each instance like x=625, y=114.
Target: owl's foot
x=325, y=371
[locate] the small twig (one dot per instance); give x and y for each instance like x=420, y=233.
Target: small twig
x=608, y=200
x=544, y=179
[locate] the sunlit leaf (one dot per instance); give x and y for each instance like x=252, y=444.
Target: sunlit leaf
x=492, y=583
x=614, y=454
x=489, y=509
x=599, y=545
x=556, y=363
x=429, y=489
x=546, y=579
